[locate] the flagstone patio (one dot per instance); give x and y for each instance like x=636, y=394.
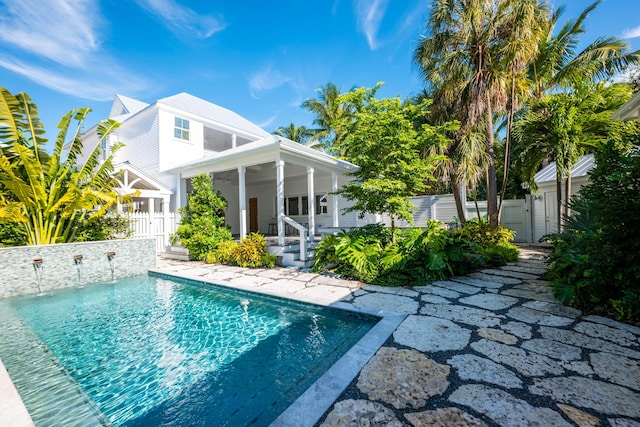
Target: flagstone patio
x=489, y=349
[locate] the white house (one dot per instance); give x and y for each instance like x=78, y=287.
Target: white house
x=273, y=185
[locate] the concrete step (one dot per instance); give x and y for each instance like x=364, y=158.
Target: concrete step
x=175, y=252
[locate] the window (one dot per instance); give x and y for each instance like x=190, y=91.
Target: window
x=181, y=129
x=321, y=204
x=291, y=207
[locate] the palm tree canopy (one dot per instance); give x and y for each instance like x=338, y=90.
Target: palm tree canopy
x=300, y=134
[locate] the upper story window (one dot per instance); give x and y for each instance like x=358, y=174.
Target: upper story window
x=181, y=129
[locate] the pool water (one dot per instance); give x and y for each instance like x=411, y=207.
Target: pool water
x=150, y=351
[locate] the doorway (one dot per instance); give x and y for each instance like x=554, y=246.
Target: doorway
x=253, y=215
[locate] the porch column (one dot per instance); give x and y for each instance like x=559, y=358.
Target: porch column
x=334, y=200
x=233, y=140
x=280, y=199
x=311, y=199
x=167, y=224
x=242, y=194
x=151, y=211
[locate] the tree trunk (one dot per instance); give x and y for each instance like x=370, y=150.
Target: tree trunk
x=507, y=143
x=567, y=196
x=393, y=228
x=492, y=180
x=460, y=204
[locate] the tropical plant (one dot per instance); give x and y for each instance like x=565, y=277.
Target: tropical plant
x=328, y=109
x=595, y=264
x=380, y=137
x=300, y=134
x=51, y=195
x=108, y=227
x=202, y=225
x=472, y=49
x=250, y=252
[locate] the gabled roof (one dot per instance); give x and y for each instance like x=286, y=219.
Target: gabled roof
x=630, y=110
x=215, y=113
x=583, y=166
x=136, y=179
x=123, y=105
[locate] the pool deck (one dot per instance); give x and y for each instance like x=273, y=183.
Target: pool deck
x=492, y=348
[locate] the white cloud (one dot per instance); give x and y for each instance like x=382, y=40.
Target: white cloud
x=269, y=121
x=83, y=84
x=181, y=20
x=58, y=44
x=369, y=14
x=59, y=30
x=267, y=79
x=632, y=33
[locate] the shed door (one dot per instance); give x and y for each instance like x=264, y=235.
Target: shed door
x=253, y=215
x=550, y=212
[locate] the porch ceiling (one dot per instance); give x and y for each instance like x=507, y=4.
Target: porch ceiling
x=266, y=172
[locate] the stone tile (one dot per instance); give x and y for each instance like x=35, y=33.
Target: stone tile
x=618, y=336
x=610, y=322
x=489, y=301
x=430, y=334
x=497, y=335
x=623, y=422
x=510, y=273
x=434, y=299
x=617, y=369
x=581, y=340
x=358, y=292
x=434, y=290
x=588, y=393
x=578, y=366
x=392, y=290
x=475, y=368
x=553, y=308
x=284, y=285
x=519, y=329
x=526, y=268
x=532, y=295
x=579, y=417
x=553, y=349
x=403, y=378
x=457, y=286
x=467, y=315
x=325, y=293
x=478, y=283
x=493, y=278
x=249, y=281
x=381, y=301
x=530, y=364
x=504, y=408
x=361, y=413
x=443, y=417
x=536, y=317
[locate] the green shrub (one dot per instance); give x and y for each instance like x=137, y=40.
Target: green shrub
x=479, y=231
x=108, y=227
x=202, y=227
x=595, y=264
x=224, y=253
x=501, y=253
x=251, y=252
x=12, y=234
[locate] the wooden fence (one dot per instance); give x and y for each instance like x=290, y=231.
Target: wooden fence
x=158, y=226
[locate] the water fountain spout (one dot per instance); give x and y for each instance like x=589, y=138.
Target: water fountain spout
x=110, y=257
x=38, y=269
x=77, y=259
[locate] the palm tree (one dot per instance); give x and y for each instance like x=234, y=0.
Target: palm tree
x=50, y=195
x=563, y=126
x=558, y=65
x=328, y=110
x=472, y=47
x=300, y=134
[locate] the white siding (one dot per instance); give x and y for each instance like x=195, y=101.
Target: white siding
x=174, y=151
x=140, y=136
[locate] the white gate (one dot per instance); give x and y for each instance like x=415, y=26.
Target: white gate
x=158, y=225
x=514, y=216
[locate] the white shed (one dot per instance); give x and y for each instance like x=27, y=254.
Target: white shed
x=544, y=202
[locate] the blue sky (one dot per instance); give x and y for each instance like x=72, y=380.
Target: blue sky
x=260, y=59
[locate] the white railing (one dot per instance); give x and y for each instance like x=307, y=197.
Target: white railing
x=158, y=225
x=302, y=231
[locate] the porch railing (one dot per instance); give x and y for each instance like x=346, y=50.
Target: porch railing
x=302, y=232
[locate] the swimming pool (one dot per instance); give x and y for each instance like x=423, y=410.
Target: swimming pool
x=153, y=351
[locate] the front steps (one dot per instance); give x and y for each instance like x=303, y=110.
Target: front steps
x=289, y=255
x=175, y=252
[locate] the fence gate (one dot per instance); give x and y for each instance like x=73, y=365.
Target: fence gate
x=514, y=216
x=158, y=225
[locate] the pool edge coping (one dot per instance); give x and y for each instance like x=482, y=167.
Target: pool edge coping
x=12, y=407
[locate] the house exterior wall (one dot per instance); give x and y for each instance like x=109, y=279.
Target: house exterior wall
x=174, y=151
x=140, y=136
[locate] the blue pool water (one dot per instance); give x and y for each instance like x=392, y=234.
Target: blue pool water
x=150, y=351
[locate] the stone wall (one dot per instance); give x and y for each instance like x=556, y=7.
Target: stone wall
x=59, y=269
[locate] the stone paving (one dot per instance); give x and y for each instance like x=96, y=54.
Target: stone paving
x=489, y=349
